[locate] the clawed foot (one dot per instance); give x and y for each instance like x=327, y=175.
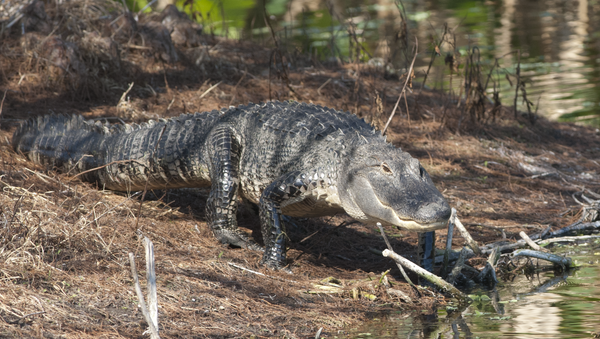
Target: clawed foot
x=238, y=239
x=275, y=265
x=275, y=261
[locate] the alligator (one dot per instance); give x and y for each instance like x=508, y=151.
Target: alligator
x=291, y=159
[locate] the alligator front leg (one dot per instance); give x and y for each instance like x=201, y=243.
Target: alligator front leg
x=222, y=203
x=273, y=229
x=426, y=250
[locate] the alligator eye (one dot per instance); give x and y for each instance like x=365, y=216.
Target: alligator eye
x=386, y=169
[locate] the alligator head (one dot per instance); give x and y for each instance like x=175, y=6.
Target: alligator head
x=381, y=183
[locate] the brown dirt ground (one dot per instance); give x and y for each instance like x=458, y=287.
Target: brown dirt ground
x=64, y=244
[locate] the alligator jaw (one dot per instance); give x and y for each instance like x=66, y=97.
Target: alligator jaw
x=390, y=217
x=415, y=226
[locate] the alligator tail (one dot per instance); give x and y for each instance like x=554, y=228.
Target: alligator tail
x=155, y=154
x=56, y=140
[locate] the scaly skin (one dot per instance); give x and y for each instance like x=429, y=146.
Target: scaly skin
x=290, y=158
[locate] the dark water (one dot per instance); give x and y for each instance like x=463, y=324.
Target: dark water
x=559, y=40
x=544, y=306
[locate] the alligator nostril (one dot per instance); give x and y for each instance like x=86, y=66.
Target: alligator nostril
x=445, y=212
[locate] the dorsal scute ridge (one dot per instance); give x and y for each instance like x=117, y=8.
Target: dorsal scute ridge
x=327, y=121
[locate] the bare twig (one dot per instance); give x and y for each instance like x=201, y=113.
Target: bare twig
x=569, y=239
x=434, y=52
x=140, y=295
x=448, y=244
x=1, y=105
x=403, y=92
x=151, y=282
x=318, y=335
x=503, y=226
x=247, y=270
x=465, y=234
x=323, y=85
x=407, y=112
x=518, y=73
x=488, y=274
x=124, y=96
x=531, y=243
x=460, y=263
x=210, y=89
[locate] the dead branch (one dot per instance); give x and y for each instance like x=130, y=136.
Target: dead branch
x=448, y=244
x=531, y=243
x=434, y=279
x=553, y=258
x=465, y=234
x=569, y=239
x=488, y=274
x=502, y=246
x=210, y=89
x=403, y=92
x=436, y=50
x=576, y=227
x=151, y=282
x=456, y=271
x=124, y=96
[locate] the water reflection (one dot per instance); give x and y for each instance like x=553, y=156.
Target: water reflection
x=541, y=306
x=555, y=40
x=535, y=316
x=558, y=39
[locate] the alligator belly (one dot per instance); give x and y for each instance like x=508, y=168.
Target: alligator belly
x=310, y=207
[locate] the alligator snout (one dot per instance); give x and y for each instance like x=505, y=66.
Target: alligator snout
x=433, y=212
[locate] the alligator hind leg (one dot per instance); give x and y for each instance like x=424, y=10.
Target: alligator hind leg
x=222, y=202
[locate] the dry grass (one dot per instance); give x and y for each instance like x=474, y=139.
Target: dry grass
x=64, y=244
